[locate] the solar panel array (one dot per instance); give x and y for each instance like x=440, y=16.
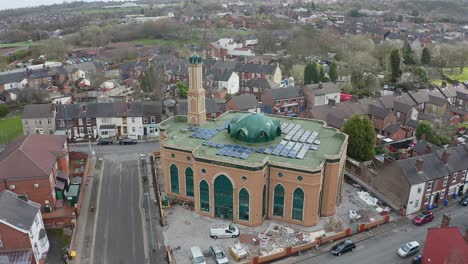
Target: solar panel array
x=204, y=133
x=235, y=151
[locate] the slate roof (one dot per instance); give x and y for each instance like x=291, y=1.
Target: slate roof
x=327, y=88
x=261, y=83
x=422, y=96
x=379, y=112
x=420, y=147
x=268, y=69
x=284, y=93
x=462, y=95
x=392, y=128
x=405, y=98
x=34, y=111
x=14, y=77
x=452, y=91
x=412, y=123
x=245, y=102
x=17, y=212
x=219, y=75
x=433, y=168
x=210, y=106
x=437, y=100
x=336, y=115
x=442, y=244
x=457, y=159
x=402, y=107
x=37, y=155
x=90, y=66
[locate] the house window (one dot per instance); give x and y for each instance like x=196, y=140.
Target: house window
x=454, y=177
x=145, y=120
x=429, y=186
x=125, y=130
x=133, y=120
x=80, y=121
x=124, y=120
x=442, y=194
x=51, y=131
x=49, y=121
x=277, y=102
x=294, y=100
x=26, y=122
x=301, y=99
x=419, y=189
x=81, y=130
x=88, y=121
x=151, y=130
x=133, y=129
x=1, y=243
x=464, y=175
x=153, y=120
x=426, y=200
x=40, y=122
x=445, y=181
x=451, y=190
x=89, y=131
x=416, y=204
x=62, y=122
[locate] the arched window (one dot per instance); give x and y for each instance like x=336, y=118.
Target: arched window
x=278, y=200
x=174, y=179
x=298, y=204
x=204, y=196
x=244, y=204
x=264, y=201
x=189, y=181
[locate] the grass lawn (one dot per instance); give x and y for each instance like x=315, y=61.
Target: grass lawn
x=159, y=42
x=10, y=128
x=463, y=77
x=18, y=44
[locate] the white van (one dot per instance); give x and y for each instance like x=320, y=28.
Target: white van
x=219, y=231
x=196, y=255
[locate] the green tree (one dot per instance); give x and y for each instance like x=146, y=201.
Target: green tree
x=423, y=128
x=311, y=73
x=421, y=73
x=183, y=89
x=333, y=73
x=426, y=56
x=357, y=79
x=354, y=13
x=321, y=73
x=312, y=6
x=395, y=64
x=361, y=139
x=150, y=83
x=4, y=110
x=372, y=84
x=407, y=54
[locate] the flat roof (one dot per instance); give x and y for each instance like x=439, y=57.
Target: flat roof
x=178, y=137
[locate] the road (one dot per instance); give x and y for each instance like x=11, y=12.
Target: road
x=116, y=151
x=382, y=248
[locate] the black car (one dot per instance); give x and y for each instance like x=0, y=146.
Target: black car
x=343, y=247
x=464, y=201
x=105, y=141
x=127, y=141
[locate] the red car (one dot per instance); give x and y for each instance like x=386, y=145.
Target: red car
x=424, y=217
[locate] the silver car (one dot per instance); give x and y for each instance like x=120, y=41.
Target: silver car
x=218, y=254
x=408, y=249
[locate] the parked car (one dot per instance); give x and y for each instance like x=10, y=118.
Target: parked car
x=219, y=231
x=105, y=141
x=464, y=201
x=408, y=249
x=424, y=217
x=196, y=255
x=127, y=141
x=343, y=247
x=218, y=254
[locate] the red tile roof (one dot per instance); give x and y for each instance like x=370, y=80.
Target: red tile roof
x=31, y=156
x=445, y=245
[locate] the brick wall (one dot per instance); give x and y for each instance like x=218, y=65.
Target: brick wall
x=13, y=239
x=26, y=187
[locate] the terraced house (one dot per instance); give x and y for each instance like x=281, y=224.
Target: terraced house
x=248, y=167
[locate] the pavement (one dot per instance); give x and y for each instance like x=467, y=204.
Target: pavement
x=379, y=245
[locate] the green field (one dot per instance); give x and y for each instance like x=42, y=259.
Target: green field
x=10, y=128
x=456, y=75
x=18, y=44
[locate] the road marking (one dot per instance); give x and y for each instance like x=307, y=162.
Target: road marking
x=97, y=210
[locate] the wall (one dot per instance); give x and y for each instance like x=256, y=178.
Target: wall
x=42, y=124
x=26, y=186
x=13, y=239
x=415, y=196
x=137, y=125
x=40, y=249
x=330, y=188
x=277, y=76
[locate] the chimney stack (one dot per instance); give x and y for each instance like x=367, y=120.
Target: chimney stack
x=423, y=137
x=427, y=149
x=445, y=220
x=419, y=165
x=320, y=85
x=23, y=197
x=83, y=108
x=445, y=156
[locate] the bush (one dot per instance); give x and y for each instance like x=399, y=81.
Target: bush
x=4, y=110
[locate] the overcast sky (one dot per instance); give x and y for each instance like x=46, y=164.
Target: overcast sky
x=8, y=4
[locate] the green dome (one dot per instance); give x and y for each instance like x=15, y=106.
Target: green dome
x=195, y=59
x=254, y=128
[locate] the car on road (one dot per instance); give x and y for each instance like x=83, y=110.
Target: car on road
x=219, y=231
x=105, y=141
x=408, y=249
x=196, y=255
x=343, y=247
x=218, y=254
x=127, y=141
x=464, y=201
x=423, y=218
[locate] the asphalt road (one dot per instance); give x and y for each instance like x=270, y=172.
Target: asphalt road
x=118, y=234
x=382, y=248
x=118, y=152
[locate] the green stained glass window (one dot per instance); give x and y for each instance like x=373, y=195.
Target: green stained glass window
x=189, y=181
x=223, y=197
x=244, y=204
x=204, y=196
x=278, y=200
x=264, y=201
x=298, y=204
x=174, y=179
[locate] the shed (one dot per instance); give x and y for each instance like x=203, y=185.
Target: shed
x=73, y=194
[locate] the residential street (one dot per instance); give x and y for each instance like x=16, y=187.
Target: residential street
x=382, y=248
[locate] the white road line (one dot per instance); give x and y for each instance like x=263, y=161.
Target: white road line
x=97, y=211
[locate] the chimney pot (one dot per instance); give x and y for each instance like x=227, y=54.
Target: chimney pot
x=446, y=218
x=419, y=165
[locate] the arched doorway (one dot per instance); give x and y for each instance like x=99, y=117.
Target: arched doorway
x=174, y=178
x=189, y=181
x=204, y=196
x=244, y=206
x=223, y=198
x=298, y=204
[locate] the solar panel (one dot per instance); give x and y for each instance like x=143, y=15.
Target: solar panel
x=205, y=143
x=279, y=148
x=303, y=151
x=219, y=145
x=284, y=125
x=290, y=134
x=260, y=150
x=269, y=150
x=244, y=156
x=305, y=136
x=312, y=137
x=314, y=147
x=298, y=135
x=287, y=149
x=236, y=154
x=317, y=142
x=295, y=149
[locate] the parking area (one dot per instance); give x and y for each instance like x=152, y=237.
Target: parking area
x=186, y=228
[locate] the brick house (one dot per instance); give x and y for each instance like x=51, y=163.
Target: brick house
x=424, y=181
x=38, y=119
x=246, y=102
x=423, y=147
x=22, y=232
x=381, y=118
x=79, y=120
x=29, y=166
x=284, y=101
x=249, y=71
x=257, y=86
